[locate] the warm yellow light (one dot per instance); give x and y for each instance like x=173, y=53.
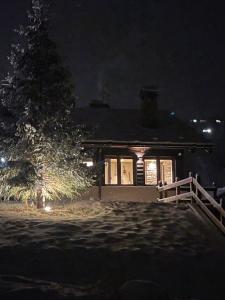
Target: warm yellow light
x=47, y=208
x=151, y=166
x=89, y=163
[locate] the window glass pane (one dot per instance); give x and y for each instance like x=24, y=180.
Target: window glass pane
x=150, y=171
x=111, y=171
x=126, y=171
x=166, y=170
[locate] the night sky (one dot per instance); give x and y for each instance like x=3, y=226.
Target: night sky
x=125, y=44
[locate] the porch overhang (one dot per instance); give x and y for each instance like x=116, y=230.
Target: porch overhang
x=148, y=144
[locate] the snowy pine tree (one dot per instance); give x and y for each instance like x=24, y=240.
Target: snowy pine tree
x=38, y=86
x=44, y=150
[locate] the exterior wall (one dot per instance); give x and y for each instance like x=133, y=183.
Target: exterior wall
x=139, y=192
x=130, y=194
x=123, y=194
x=139, y=172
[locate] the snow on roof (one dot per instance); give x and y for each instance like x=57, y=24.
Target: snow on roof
x=125, y=125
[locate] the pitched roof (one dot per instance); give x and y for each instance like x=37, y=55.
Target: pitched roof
x=124, y=125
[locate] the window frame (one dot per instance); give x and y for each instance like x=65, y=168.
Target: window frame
x=158, y=158
x=173, y=168
x=133, y=167
x=144, y=171
x=111, y=184
x=118, y=158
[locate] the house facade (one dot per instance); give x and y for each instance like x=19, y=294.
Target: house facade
x=132, y=169
x=132, y=159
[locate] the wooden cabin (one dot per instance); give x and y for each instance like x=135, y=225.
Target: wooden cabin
x=131, y=157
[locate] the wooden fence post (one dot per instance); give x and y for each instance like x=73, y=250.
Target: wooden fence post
x=177, y=191
x=191, y=185
x=166, y=191
x=196, y=189
x=160, y=193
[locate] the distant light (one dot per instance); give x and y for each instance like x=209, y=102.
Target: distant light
x=3, y=160
x=47, y=208
x=172, y=113
x=207, y=130
x=218, y=121
x=194, y=120
x=179, y=154
x=89, y=163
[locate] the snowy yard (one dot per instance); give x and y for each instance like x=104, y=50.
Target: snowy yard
x=111, y=251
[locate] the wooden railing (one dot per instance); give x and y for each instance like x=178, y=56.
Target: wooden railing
x=194, y=193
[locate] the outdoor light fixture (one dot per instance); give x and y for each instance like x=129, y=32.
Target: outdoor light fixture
x=207, y=130
x=47, y=208
x=139, y=157
x=194, y=120
x=89, y=162
x=218, y=121
x=3, y=160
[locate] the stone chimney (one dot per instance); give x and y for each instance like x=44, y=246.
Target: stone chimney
x=149, y=106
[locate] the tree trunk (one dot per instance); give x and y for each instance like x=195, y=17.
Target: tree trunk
x=26, y=203
x=39, y=199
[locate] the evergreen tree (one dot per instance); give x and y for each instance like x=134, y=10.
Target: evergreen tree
x=39, y=86
x=44, y=151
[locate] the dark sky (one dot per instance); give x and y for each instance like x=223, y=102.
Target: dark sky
x=125, y=44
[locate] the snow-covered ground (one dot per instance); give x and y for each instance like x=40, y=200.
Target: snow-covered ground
x=121, y=251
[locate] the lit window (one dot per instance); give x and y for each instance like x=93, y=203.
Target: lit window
x=166, y=170
x=150, y=171
x=126, y=171
x=111, y=176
